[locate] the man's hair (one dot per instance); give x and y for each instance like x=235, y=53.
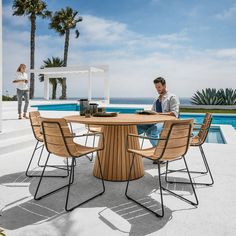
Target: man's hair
x=159, y=80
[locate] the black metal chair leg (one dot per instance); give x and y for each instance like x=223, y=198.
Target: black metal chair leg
x=206, y=166
x=128, y=197
x=192, y=171
x=159, y=177
x=40, y=156
x=62, y=167
x=93, y=146
x=40, y=180
x=86, y=141
x=54, y=166
x=68, y=190
x=190, y=182
x=32, y=156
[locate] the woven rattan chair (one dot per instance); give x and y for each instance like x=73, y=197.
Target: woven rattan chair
x=197, y=141
x=172, y=145
x=59, y=140
x=35, y=121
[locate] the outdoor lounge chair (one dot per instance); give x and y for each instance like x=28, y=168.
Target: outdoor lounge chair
x=59, y=140
x=172, y=145
x=197, y=141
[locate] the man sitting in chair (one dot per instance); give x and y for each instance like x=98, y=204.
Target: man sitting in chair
x=166, y=103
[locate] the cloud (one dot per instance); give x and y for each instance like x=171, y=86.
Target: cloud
x=8, y=17
x=227, y=13
x=134, y=59
x=98, y=30
x=226, y=53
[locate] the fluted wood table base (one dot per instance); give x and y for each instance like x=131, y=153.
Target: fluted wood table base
x=115, y=160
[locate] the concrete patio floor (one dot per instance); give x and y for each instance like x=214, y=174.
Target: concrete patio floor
x=111, y=213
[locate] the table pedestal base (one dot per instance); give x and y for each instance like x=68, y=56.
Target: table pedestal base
x=115, y=160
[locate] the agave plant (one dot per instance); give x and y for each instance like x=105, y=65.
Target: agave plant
x=209, y=96
x=229, y=96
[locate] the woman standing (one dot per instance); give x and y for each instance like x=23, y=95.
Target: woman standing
x=21, y=83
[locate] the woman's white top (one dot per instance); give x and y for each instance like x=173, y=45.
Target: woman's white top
x=21, y=85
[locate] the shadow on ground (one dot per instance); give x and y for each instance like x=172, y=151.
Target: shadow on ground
x=111, y=209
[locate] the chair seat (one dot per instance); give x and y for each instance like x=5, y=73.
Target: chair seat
x=76, y=150
x=40, y=138
x=83, y=150
x=195, y=141
x=95, y=128
x=148, y=152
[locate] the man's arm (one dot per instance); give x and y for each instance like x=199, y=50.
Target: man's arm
x=167, y=113
x=20, y=81
x=174, y=107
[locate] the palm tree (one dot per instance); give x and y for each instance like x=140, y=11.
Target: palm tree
x=32, y=9
x=63, y=22
x=54, y=62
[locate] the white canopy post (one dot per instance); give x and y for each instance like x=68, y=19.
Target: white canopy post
x=1, y=79
x=106, y=87
x=46, y=87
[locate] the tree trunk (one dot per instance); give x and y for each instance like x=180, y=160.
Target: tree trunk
x=66, y=47
x=54, y=89
x=32, y=50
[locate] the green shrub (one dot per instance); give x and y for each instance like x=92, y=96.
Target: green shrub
x=211, y=96
x=8, y=98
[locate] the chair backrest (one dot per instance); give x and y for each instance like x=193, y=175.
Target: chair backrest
x=177, y=136
x=35, y=122
x=203, y=132
x=58, y=138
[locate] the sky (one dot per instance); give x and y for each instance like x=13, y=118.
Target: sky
x=192, y=44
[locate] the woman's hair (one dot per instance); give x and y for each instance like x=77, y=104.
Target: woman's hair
x=20, y=66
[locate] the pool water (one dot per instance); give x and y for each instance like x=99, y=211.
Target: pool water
x=214, y=136
x=216, y=119
x=76, y=107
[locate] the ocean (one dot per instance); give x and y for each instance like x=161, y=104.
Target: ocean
x=183, y=101
x=133, y=100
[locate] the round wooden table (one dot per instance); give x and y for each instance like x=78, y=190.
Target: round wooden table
x=115, y=160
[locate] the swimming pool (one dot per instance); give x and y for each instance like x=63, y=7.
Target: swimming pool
x=214, y=136
x=198, y=118
x=76, y=107
x=220, y=119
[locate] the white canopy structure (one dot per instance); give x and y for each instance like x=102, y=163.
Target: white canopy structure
x=89, y=71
